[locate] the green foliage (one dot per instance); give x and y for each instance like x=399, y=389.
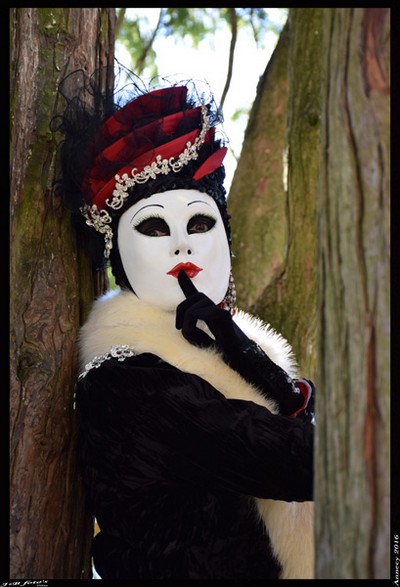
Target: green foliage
x=134, y=36
x=239, y=112
x=192, y=24
x=111, y=278
x=256, y=18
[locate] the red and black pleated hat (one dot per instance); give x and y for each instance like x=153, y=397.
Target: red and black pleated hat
x=153, y=125
x=142, y=140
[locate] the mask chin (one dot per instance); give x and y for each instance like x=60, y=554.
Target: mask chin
x=171, y=295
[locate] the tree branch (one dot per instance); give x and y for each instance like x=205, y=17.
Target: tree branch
x=233, y=22
x=141, y=61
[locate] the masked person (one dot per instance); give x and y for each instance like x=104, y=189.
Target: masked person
x=196, y=436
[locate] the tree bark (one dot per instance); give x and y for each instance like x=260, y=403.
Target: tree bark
x=257, y=201
x=273, y=194
x=353, y=418
x=314, y=258
x=52, y=287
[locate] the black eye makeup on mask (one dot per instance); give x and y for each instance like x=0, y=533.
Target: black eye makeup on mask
x=200, y=223
x=153, y=226
x=156, y=226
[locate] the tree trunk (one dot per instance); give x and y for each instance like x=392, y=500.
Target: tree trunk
x=257, y=201
x=330, y=227
x=273, y=194
x=353, y=418
x=51, y=289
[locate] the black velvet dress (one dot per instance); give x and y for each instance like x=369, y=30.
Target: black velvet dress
x=172, y=467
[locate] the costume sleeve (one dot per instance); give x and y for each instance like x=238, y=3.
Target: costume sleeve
x=254, y=365
x=151, y=423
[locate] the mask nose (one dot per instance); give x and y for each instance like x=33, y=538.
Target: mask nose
x=180, y=244
x=183, y=250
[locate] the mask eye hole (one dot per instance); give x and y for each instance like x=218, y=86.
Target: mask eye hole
x=200, y=223
x=153, y=226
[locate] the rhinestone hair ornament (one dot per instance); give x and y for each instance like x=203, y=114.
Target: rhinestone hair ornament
x=101, y=220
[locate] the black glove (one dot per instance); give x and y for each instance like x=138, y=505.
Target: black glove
x=239, y=351
x=197, y=306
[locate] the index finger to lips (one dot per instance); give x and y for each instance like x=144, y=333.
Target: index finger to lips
x=186, y=284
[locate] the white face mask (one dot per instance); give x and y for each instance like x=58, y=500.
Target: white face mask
x=158, y=234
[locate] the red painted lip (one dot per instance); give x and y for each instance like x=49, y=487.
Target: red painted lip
x=190, y=270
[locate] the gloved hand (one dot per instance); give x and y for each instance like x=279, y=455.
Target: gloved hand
x=197, y=306
x=239, y=351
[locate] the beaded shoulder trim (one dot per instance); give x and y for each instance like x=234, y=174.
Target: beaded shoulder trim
x=117, y=351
